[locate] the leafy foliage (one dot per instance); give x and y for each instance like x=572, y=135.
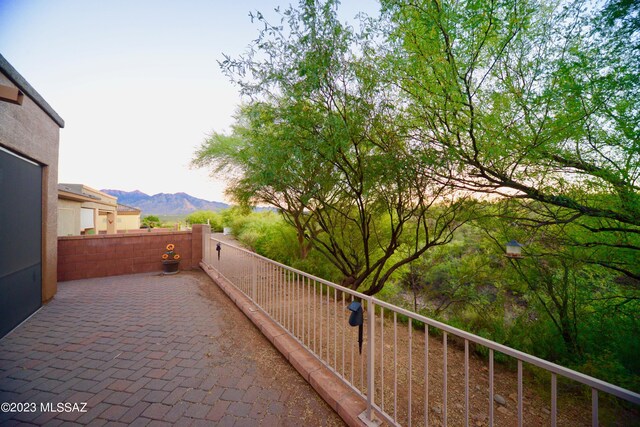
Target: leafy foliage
x=470, y=284
x=535, y=101
x=214, y=219
x=324, y=142
x=150, y=221
x=378, y=146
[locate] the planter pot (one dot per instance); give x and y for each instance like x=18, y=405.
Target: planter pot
x=170, y=266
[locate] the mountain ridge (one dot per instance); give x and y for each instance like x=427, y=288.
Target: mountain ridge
x=164, y=203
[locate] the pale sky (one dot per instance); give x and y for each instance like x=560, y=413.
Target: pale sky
x=136, y=82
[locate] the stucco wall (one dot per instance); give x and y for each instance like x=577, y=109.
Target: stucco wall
x=68, y=217
x=123, y=223
x=128, y=222
x=31, y=132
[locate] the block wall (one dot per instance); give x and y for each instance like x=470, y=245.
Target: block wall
x=31, y=132
x=82, y=257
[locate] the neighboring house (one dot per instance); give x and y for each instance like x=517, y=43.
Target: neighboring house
x=29, y=142
x=128, y=218
x=84, y=210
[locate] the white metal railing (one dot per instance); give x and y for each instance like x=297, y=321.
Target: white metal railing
x=414, y=388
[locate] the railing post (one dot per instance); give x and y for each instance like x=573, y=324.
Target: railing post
x=554, y=399
x=254, y=279
x=371, y=314
x=206, y=243
x=594, y=407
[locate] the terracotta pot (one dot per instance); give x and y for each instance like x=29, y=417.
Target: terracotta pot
x=170, y=266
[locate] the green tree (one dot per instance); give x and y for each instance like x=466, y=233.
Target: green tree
x=560, y=286
x=325, y=141
x=262, y=168
x=533, y=100
x=459, y=281
x=212, y=218
x=150, y=221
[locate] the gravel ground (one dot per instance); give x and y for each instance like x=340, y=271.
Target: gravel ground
x=299, y=305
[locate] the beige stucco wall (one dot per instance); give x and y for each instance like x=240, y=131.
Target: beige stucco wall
x=30, y=132
x=123, y=222
x=68, y=217
x=70, y=210
x=128, y=222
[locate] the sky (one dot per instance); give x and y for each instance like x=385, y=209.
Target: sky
x=137, y=82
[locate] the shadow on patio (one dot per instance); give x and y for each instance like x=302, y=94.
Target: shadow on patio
x=149, y=349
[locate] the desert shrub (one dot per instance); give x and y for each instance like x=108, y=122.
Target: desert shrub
x=214, y=219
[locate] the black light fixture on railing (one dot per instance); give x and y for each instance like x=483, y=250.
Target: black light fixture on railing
x=357, y=319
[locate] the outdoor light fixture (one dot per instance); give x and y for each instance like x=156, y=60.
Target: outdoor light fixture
x=357, y=319
x=11, y=94
x=514, y=249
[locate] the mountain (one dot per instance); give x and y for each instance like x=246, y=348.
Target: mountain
x=163, y=203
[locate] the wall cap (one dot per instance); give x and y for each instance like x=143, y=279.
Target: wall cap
x=25, y=87
x=125, y=235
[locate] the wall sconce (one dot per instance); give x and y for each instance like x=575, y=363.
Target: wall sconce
x=11, y=94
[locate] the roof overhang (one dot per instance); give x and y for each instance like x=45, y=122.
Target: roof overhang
x=68, y=195
x=26, y=89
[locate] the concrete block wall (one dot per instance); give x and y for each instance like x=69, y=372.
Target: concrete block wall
x=32, y=130
x=82, y=257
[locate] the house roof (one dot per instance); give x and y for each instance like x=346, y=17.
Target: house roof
x=124, y=209
x=25, y=87
x=74, y=192
x=81, y=192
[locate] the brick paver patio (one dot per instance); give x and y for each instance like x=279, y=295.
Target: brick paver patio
x=150, y=350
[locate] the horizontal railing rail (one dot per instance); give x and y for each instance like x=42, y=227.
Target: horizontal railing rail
x=404, y=375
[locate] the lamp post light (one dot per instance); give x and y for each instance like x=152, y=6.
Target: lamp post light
x=514, y=249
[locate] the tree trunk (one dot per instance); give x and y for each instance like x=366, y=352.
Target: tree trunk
x=302, y=246
x=568, y=336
